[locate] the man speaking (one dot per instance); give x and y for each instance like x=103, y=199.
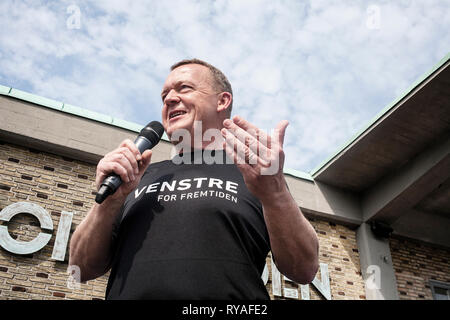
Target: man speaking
x=187, y=228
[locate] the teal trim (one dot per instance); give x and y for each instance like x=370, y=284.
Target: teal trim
x=378, y=117
x=87, y=113
x=298, y=174
x=127, y=125
x=22, y=95
x=4, y=90
x=132, y=127
x=71, y=109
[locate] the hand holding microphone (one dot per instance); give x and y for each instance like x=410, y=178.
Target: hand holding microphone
x=119, y=170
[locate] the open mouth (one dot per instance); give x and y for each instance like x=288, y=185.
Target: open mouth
x=176, y=113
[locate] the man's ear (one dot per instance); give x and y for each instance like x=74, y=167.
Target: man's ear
x=224, y=101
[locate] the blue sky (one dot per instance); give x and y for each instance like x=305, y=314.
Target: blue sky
x=326, y=66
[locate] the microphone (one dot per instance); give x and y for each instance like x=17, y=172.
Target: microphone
x=147, y=139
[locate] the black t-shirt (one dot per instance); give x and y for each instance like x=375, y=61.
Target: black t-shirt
x=189, y=231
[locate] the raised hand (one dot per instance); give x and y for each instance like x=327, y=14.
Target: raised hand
x=259, y=157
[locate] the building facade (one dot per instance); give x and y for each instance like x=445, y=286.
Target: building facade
x=380, y=205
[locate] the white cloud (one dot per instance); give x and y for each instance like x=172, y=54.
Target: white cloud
x=314, y=63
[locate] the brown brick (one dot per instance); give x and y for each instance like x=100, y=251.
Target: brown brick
x=78, y=203
x=41, y=275
x=59, y=294
x=17, y=288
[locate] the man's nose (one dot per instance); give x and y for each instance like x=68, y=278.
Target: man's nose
x=171, y=98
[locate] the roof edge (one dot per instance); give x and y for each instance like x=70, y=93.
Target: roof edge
x=314, y=172
x=71, y=109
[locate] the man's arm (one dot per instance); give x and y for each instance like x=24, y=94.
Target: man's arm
x=260, y=158
x=90, y=246
x=91, y=243
x=294, y=243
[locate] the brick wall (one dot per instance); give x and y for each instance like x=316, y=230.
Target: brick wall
x=416, y=263
x=58, y=184
x=338, y=249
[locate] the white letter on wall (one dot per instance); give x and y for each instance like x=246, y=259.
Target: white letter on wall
x=62, y=236
x=25, y=247
x=324, y=285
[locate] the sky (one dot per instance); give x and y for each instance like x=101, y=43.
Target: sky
x=328, y=67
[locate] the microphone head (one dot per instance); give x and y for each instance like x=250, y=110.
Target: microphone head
x=153, y=132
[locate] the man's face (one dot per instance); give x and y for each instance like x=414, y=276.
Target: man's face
x=188, y=96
